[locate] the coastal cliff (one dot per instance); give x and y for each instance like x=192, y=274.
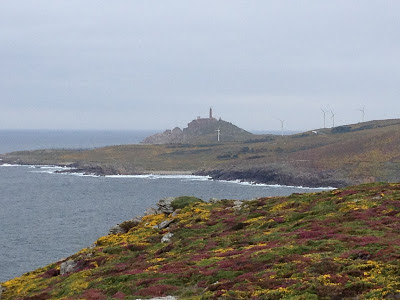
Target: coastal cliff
x=339, y=244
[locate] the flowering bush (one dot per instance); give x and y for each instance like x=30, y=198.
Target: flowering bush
x=342, y=243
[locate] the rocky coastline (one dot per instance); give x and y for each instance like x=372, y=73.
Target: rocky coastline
x=276, y=176
x=273, y=175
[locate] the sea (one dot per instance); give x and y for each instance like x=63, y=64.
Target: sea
x=47, y=216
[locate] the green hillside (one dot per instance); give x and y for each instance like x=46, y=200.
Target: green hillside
x=341, y=244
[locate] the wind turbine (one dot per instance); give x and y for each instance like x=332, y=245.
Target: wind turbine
x=282, y=124
x=333, y=118
x=362, y=113
x=218, y=133
x=324, y=112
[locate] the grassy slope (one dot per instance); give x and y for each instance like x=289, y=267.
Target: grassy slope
x=343, y=243
x=368, y=152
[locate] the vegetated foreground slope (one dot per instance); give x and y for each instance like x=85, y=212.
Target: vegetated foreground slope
x=353, y=154
x=340, y=244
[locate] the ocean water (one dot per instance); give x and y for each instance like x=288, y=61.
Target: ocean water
x=46, y=216
x=15, y=140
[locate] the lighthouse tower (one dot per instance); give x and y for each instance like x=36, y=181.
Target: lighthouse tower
x=211, y=117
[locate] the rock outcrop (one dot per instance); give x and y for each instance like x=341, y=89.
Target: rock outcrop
x=116, y=230
x=124, y=227
x=163, y=224
x=201, y=130
x=68, y=267
x=173, y=136
x=165, y=205
x=167, y=237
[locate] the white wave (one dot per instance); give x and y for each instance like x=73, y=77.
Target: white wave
x=249, y=183
x=49, y=169
x=153, y=176
x=12, y=165
x=207, y=178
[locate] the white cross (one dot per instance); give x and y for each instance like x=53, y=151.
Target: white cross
x=218, y=130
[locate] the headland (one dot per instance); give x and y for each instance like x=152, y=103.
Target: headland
x=339, y=156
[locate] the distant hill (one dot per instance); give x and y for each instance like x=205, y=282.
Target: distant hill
x=339, y=156
x=200, y=131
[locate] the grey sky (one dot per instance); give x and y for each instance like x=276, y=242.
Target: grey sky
x=159, y=64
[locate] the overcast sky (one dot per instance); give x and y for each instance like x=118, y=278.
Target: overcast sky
x=159, y=64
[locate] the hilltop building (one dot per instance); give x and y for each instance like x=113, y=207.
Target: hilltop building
x=200, y=122
x=200, y=130
x=210, y=118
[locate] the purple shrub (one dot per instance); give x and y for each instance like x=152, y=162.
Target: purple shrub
x=279, y=220
x=309, y=235
x=94, y=294
x=248, y=277
x=201, y=256
x=157, y=290
x=119, y=295
x=365, y=240
x=148, y=281
x=51, y=273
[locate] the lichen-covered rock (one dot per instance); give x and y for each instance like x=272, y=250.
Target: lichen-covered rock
x=163, y=224
x=150, y=211
x=124, y=227
x=176, y=212
x=116, y=230
x=165, y=205
x=237, y=204
x=167, y=238
x=68, y=267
